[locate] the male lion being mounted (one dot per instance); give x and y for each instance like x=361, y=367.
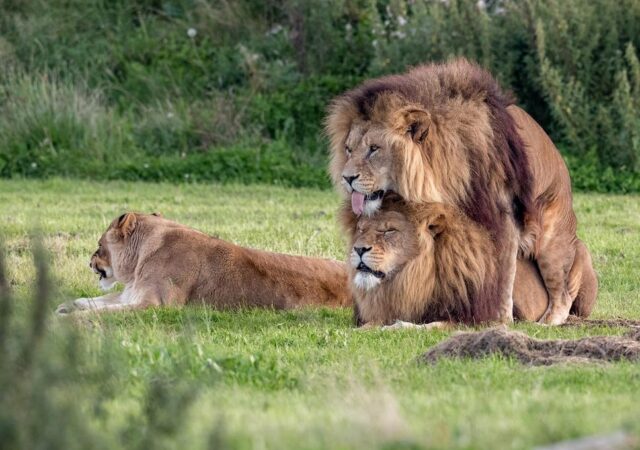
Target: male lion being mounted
x=448, y=133
x=428, y=263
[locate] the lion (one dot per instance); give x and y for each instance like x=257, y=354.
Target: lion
x=530, y=298
x=428, y=263
x=161, y=262
x=448, y=133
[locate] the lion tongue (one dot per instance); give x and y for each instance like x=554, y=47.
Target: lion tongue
x=357, y=202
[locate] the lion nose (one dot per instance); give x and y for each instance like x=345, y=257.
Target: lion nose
x=361, y=250
x=350, y=179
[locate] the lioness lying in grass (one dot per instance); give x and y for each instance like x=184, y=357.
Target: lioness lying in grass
x=161, y=262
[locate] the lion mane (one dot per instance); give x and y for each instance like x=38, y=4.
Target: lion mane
x=453, y=141
x=452, y=277
x=465, y=140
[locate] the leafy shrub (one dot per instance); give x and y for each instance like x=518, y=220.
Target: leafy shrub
x=95, y=88
x=49, y=127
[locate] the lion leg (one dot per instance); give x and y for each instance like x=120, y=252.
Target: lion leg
x=130, y=298
x=583, y=282
x=110, y=300
x=507, y=260
x=402, y=325
x=554, y=261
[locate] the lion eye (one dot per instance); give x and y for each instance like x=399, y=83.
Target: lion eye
x=389, y=232
x=373, y=149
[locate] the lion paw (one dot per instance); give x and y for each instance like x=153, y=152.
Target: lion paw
x=401, y=325
x=548, y=318
x=64, y=309
x=84, y=303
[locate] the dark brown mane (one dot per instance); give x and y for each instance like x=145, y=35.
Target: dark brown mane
x=430, y=86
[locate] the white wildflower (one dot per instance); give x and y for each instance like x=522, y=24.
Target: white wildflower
x=34, y=165
x=402, y=21
x=275, y=29
x=192, y=32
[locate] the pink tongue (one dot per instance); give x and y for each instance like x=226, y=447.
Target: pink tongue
x=357, y=202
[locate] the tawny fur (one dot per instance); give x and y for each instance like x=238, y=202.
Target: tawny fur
x=530, y=298
x=439, y=265
x=442, y=264
x=549, y=235
x=161, y=262
x=448, y=133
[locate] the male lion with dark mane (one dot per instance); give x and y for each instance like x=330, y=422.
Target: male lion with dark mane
x=448, y=133
x=430, y=264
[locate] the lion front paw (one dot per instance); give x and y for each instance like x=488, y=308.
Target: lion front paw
x=401, y=325
x=64, y=309
x=84, y=303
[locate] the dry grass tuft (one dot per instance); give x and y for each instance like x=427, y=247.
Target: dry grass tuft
x=537, y=352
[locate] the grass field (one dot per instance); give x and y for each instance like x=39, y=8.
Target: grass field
x=198, y=378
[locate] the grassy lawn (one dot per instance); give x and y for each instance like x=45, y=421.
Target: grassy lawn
x=199, y=378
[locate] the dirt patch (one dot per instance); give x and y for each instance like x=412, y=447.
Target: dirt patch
x=537, y=352
x=573, y=321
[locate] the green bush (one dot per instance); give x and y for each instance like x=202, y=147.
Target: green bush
x=50, y=127
x=218, y=89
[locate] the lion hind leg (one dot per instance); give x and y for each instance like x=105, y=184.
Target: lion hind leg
x=554, y=263
x=583, y=282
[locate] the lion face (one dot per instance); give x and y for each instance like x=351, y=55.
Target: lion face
x=101, y=264
x=112, y=260
x=383, y=244
x=366, y=175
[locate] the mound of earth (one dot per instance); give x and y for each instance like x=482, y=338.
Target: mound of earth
x=537, y=352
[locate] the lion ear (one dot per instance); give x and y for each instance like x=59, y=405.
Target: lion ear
x=436, y=225
x=417, y=122
x=126, y=224
x=157, y=214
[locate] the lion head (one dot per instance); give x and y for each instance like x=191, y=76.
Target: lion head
x=113, y=261
x=421, y=262
x=438, y=133
x=383, y=245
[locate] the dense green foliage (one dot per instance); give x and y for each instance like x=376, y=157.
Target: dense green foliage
x=199, y=378
x=236, y=90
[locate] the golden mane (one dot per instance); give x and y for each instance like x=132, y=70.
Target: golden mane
x=453, y=276
x=452, y=137
x=445, y=135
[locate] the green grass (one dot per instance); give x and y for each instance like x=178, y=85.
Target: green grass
x=300, y=379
